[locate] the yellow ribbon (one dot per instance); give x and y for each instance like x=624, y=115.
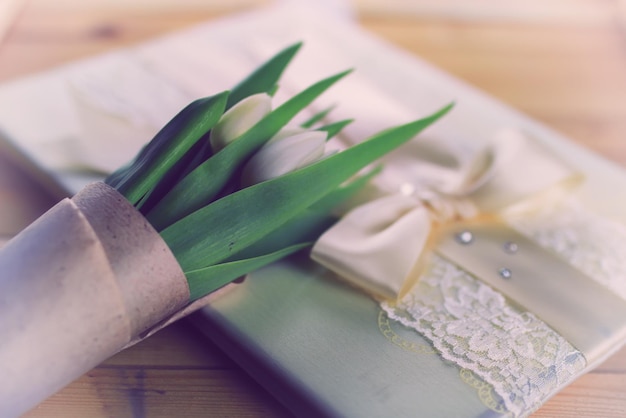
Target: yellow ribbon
x=426, y=201
x=380, y=245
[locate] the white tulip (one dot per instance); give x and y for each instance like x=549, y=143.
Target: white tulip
x=239, y=118
x=283, y=154
x=285, y=132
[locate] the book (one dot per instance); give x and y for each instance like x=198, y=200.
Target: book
x=319, y=345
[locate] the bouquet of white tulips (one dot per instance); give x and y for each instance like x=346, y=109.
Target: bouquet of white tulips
x=224, y=188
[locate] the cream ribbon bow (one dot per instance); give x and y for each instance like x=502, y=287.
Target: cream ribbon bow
x=380, y=245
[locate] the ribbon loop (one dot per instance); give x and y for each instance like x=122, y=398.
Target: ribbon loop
x=380, y=245
x=363, y=248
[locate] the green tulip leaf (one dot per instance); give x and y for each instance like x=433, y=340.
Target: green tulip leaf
x=332, y=129
x=236, y=221
x=203, y=184
x=309, y=224
x=206, y=280
x=265, y=78
x=316, y=118
x=168, y=147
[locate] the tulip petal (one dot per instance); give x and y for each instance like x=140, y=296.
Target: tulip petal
x=287, y=131
x=239, y=119
x=282, y=156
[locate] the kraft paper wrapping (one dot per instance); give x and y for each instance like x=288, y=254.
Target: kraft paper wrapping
x=85, y=280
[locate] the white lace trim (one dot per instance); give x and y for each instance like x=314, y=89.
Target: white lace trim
x=594, y=245
x=472, y=326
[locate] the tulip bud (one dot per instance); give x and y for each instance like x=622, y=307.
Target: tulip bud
x=283, y=154
x=285, y=132
x=239, y=118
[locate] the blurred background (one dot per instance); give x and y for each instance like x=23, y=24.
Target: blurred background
x=562, y=62
x=572, y=51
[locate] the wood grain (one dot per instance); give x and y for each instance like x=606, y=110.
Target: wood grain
x=174, y=373
x=564, y=65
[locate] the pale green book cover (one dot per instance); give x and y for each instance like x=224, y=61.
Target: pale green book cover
x=324, y=349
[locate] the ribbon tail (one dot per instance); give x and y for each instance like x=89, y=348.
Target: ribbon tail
x=526, y=175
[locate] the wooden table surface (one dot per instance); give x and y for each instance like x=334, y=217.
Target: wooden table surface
x=561, y=62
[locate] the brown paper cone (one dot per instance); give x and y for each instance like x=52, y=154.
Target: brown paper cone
x=82, y=282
